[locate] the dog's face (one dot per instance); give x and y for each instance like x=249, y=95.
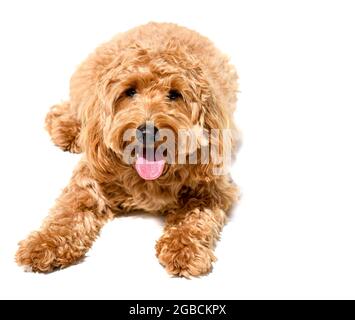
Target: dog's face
x=150, y=105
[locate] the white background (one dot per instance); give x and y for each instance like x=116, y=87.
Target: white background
x=292, y=235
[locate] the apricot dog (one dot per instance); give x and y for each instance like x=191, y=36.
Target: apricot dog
x=153, y=77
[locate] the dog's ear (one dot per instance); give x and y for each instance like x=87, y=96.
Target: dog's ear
x=215, y=117
x=64, y=127
x=67, y=122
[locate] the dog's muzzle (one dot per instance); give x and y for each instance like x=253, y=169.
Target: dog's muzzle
x=147, y=134
x=147, y=165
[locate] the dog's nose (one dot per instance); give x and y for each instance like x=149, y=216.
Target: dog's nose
x=147, y=133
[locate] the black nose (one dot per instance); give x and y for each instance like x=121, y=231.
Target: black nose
x=147, y=133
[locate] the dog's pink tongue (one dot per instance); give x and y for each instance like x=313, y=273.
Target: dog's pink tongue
x=149, y=170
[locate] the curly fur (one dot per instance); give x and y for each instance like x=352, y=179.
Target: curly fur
x=195, y=202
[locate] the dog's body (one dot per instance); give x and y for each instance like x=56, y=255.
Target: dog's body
x=161, y=73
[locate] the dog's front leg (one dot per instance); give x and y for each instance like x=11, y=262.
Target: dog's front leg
x=186, y=247
x=70, y=229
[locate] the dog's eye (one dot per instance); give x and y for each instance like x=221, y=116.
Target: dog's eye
x=174, y=95
x=130, y=92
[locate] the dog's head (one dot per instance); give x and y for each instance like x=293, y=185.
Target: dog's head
x=151, y=112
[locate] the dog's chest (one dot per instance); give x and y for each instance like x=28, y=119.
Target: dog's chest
x=146, y=199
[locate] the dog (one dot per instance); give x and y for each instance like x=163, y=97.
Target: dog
x=155, y=77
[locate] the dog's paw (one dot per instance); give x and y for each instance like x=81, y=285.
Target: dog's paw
x=184, y=257
x=37, y=254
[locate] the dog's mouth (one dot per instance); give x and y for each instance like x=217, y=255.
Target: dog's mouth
x=149, y=165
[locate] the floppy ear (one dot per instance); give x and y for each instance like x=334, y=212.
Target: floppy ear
x=64, y=127
x=64, y=122
x=215, y=116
